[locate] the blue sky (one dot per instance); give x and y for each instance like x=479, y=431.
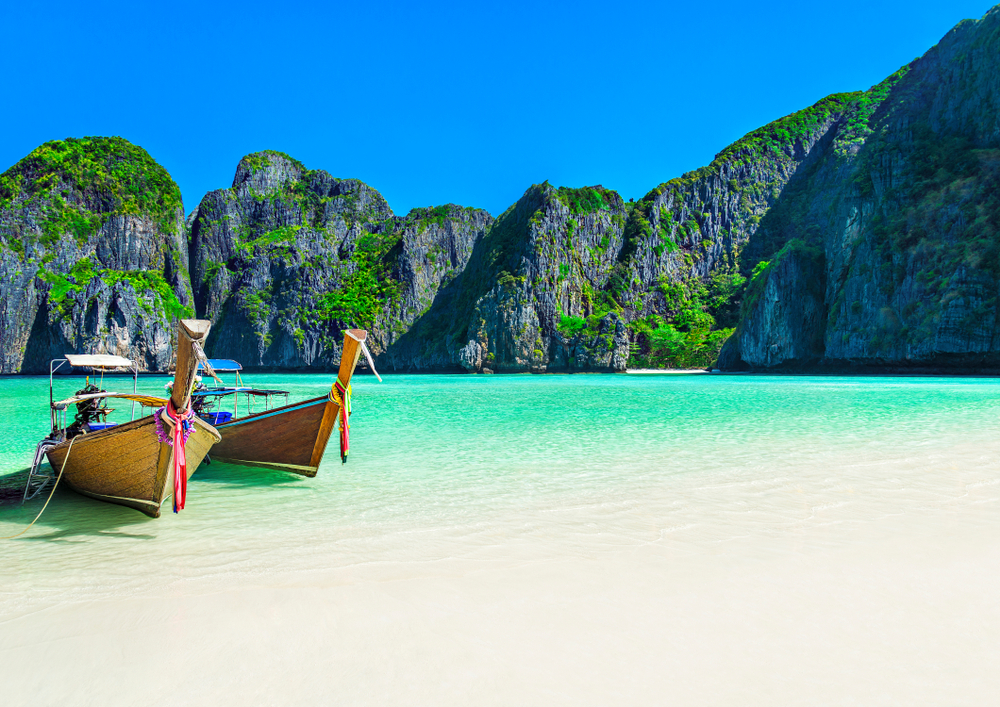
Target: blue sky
x=432, y=103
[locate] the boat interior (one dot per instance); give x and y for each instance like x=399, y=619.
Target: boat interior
x=209, y=401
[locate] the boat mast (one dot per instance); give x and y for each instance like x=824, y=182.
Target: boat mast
x=350, y=354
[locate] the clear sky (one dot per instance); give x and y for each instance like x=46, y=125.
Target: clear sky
x=438, y=102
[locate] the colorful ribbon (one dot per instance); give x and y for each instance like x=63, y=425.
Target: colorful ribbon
x=343, y=398
x=183, y=426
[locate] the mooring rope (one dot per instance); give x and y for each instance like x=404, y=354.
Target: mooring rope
x=58, y=478
x=199, y=353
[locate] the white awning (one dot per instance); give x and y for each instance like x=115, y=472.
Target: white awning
x=98, y=360
x=150, y=401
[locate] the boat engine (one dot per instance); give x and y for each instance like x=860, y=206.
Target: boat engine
x=88, y=411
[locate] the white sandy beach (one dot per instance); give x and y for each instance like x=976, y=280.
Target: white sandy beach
x=884, y=622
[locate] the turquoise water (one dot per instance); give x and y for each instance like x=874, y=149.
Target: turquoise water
x=589, y=539
x=461, y=466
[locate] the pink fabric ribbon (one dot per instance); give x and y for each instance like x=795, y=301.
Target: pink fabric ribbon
x=182, y=430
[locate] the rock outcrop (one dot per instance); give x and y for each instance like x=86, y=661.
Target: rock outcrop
x=784, y=312
x=547, y=259
x=862, y=231
x=288, y=257
x=92, y=255
x=904, y=209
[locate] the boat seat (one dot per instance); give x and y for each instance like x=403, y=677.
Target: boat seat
x=95, y=426
x=217, y=418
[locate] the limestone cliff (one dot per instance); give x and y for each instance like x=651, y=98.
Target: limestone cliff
x=288, y=257
x=688, y=240
x=543, y=266
x=904, y=213
x=860, y=231
x=92, y=255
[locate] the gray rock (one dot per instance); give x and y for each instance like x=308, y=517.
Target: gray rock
x=92, y=255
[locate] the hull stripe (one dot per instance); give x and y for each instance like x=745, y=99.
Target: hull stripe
x=264, y=415
x=275, y=465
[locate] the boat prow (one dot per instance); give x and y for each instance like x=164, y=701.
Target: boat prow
x=292, y=437
x=128, y=464
x=133, y=464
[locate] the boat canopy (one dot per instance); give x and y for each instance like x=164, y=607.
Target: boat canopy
x=222, y=365
x=98, y=360
x=217, y=392
x=146, y=400
x=213, y=392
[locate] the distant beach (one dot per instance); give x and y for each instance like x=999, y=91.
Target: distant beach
x=653, y=371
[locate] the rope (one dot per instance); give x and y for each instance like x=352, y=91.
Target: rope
x=199, y=353
x=371, y=363
x=56, y=484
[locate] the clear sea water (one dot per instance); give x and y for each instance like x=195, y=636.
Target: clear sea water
x=452, y=475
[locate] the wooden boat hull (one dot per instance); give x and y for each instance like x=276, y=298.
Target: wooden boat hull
x=128, y=465
x=290, y=438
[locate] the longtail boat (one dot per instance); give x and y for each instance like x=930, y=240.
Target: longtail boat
x=291, y=437
x=138, y=463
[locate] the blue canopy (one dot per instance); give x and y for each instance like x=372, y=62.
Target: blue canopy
x=222, y=365
x=219, y=391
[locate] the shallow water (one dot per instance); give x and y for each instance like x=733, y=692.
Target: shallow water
x=584, y=502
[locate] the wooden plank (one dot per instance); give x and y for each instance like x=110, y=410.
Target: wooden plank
x=348, y=362
x=326, y=428
x=284, y=435
x=349, y=356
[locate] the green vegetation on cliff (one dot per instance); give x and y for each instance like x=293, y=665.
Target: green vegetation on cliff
x=367, y=288
x=779, y=137
x=586, y=200
x=700, y=317
x=258, y=161
x=80, y=182
x=144, y=283
x=857, y=124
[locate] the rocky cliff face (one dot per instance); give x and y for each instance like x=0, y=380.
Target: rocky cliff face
x=547, y=260
x=688, y=240
x=861, y=231
x=92, y=255
x=288, y=257
x=903, y=209
x=564, y=280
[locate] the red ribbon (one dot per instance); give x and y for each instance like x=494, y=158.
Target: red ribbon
x=180, y=458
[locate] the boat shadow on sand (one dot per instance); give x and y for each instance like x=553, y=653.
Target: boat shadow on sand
x=70, y=515
x=243, y=476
